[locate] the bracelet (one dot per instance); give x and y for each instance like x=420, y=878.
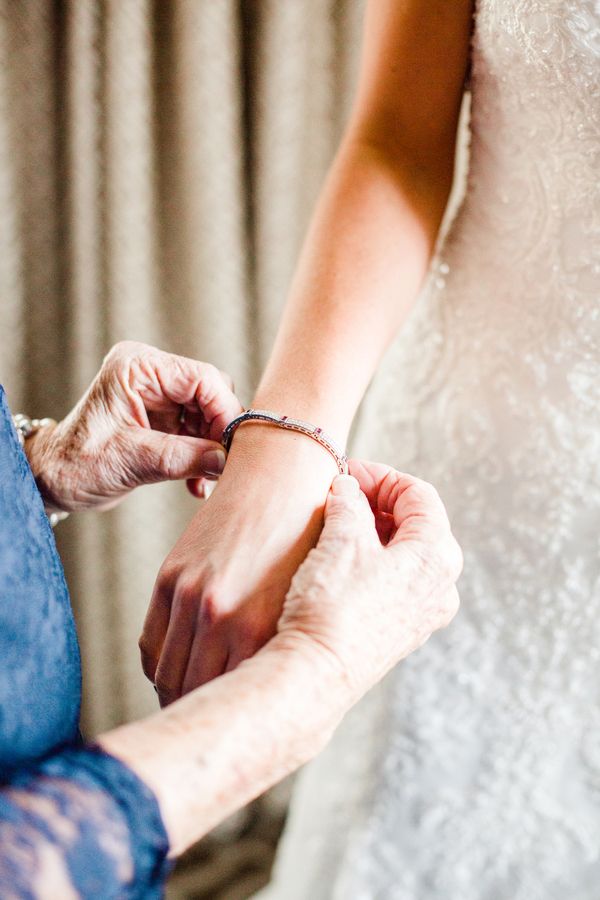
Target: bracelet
x=271, y=418
x=26, y=428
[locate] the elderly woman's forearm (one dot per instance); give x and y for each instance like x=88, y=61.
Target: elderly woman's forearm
x=220, y=746
x=80, y=824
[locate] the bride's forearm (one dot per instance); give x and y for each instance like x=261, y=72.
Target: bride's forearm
x=363, y=263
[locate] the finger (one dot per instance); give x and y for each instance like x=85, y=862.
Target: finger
x=369, y=476
x=188, y=382
x=386, y=527
x=415, y=506
x=156, y=625
x=196, y=487
x=156, y=456
x=163, y=380
x=347, y=511
x=417, y=509
x=201, y=488
x=208, y=656
x=175, y=653
x=193, y=422
x=168, y=420
x=228, y=380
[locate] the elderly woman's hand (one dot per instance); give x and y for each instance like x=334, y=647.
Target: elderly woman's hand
x=380, y=580
x=148, y=416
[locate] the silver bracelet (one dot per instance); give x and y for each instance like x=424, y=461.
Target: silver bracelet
x=271, y=418
x=26, y=428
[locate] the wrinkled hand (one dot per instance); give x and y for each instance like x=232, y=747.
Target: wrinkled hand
x=381, y=579
x=148, y=416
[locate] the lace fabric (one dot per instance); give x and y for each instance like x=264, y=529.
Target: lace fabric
x=474, y=770
x=77, y=824
x=40, y=678
x=80, y=825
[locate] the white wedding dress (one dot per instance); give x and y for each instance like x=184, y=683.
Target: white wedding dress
x=473, y=771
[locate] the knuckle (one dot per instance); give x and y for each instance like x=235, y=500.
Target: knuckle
x=211, y=607
x=428, y=488
x=226, y=377
x=458, y=559
x=441, y=559
x=451, y=559
x=424, y=495
x=451, y=607
x=209, y=610
x=167, y=575
x=212, y=384
x=210, y=372
x=120, y=350
x=187, y=592
x=144, y=646
x=167, y=460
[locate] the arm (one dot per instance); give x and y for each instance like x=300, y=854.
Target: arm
x=88, y=819
x=148, y=416
x=348, y=618
x=364, y=260
x=372, y=235
x=85, y=822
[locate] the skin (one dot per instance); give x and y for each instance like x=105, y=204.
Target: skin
x=380, y=581
x=149, y=416
x=220, y=592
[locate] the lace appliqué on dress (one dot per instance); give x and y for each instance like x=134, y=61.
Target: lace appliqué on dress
x=473, y=772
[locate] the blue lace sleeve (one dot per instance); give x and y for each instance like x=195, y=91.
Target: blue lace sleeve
x=81, y=824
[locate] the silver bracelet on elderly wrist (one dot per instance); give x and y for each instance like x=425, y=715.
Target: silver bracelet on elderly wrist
x=271, y=418
x=26, y=428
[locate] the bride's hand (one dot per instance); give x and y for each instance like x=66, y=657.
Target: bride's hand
x=148, y=416
x=220, y=591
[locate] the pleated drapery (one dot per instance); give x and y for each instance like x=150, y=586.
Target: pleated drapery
x=158, y=164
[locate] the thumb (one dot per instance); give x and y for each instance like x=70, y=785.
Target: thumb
x=157, y=456
x=347, y=509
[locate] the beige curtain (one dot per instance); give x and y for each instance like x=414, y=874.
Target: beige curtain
x=158, y=163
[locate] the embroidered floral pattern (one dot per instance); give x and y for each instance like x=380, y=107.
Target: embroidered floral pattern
x=474, y=771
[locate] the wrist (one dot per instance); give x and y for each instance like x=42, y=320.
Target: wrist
x=43, y=454
x=223, y=744
x=318, y=670
x=260, y=447
x=309, y=406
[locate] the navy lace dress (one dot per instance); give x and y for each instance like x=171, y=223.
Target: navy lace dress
x=65, y=808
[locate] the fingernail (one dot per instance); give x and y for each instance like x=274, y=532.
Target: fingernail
x=213, y=462
x=345, y=486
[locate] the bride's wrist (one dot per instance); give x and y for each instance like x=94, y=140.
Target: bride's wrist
x=313, y=406
x=259, y=447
